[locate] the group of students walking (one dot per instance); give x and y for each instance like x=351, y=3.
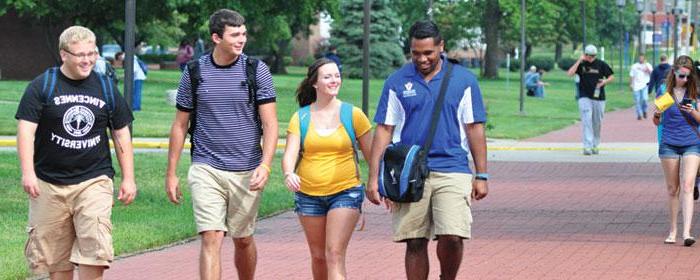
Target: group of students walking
x=227, y=103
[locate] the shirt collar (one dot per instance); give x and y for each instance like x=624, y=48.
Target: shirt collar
x=241, y=57
x=414, y=73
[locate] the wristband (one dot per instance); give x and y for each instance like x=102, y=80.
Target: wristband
x=481, y=176
x=263, y=165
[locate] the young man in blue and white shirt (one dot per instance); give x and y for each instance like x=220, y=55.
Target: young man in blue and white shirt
x=229, y=169
x=403, y=116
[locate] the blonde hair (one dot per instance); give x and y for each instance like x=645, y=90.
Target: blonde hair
x=75, y=34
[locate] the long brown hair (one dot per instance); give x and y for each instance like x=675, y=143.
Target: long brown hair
x=306, y=93
x=683, y=61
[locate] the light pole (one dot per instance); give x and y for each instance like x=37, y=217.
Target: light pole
x=640, y=8
x=675, y=13
x=522, y=56
x=653, y=30
x=621, y=5
x=583, y=17
x=667, y=8
x=365, y=55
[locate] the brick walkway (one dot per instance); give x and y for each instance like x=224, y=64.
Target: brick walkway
x=618, y=126
x=541, y=220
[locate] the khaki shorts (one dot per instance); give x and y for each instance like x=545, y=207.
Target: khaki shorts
x=443, y=210
x=222, y=201
x=70, y=224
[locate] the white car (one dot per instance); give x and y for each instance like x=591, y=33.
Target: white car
x=109, y=50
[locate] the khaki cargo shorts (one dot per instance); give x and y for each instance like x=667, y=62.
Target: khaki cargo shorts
x=222, y=201
x=443, y=210
x=70, y=224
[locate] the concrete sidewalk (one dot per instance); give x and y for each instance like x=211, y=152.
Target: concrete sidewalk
x=551, y=213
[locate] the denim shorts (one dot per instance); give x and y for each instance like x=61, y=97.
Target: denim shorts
x=311, y=205
x=673, y=151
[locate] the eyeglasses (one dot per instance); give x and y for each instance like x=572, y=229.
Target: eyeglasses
x=591, y=55
x=89, y=55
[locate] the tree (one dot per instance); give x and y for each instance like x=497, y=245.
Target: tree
x=458, y=22
x=104, y=17
x=271, y=23
x=385, y=49
x=491, y=25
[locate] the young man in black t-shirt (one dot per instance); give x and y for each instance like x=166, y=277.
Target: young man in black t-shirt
x=66, y=163
x=594, y=75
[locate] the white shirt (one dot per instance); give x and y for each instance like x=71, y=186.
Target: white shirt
x=640, y=74
x=100, y=66
x=138, y=73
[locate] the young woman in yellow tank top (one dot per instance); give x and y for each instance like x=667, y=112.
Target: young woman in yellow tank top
x=328, y=193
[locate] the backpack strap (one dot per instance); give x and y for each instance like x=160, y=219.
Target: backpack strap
x=304, y=115
x=346, y=119
x=49, y=84
x=251, y=71
x=107, y=91
x=346, y=109
x=107, y=86
x=195, y=74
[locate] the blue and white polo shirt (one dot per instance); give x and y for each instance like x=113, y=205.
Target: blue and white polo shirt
x=407, y=103
x=226, y=136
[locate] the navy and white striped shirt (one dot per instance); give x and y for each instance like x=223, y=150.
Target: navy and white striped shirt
x=226, y=136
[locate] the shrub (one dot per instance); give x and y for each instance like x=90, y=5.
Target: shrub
x=157, y=58
x=565, y=63
x=540, y=61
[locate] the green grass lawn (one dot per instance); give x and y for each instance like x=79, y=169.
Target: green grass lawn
x=150, y=221
x=557, y=110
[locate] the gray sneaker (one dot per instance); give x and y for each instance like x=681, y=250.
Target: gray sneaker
x=587, y=152
x=595, y=151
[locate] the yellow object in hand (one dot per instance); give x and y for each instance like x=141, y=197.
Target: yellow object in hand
x=664, y=101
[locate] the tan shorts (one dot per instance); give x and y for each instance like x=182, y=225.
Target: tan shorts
x=222, y=201
x=70, y=224
x=443, y=210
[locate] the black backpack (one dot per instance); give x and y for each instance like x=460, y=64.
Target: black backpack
x=106, y=84
x=195, y=73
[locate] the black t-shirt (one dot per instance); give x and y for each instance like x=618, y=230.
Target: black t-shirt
x=71, y=144
x=591, y=73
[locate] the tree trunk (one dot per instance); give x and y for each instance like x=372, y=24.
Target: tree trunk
x=491, y=22
x=557, y=51
x=528, y=50
x=277, y=66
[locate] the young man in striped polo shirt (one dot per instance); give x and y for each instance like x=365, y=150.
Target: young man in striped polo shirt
x=229, y=169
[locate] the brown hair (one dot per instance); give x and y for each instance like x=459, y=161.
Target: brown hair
x=306, y=93
x=683, y=61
